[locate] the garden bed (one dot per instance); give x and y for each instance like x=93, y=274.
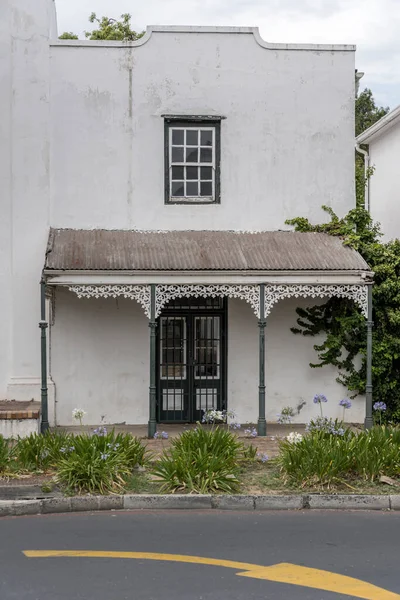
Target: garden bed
x=256, y=480
x=329, y=458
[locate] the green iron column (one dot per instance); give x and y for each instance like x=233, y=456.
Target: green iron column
x=152, y=425
x=262, y=423
x=368, y=388
x=44, y=423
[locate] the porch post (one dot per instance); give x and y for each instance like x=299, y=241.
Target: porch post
x=262, y=424
x=152, y=425
x=44, y=423
x=368, y=388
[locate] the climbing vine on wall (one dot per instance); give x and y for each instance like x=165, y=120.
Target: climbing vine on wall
x=341, y=321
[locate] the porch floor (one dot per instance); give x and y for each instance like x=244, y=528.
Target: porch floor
x=266, y=445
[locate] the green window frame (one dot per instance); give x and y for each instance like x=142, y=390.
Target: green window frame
x=192, y=160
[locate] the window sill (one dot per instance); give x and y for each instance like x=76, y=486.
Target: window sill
x=196, y=202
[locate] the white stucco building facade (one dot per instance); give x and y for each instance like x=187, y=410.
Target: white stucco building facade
x=191, y=133
x=383, y=194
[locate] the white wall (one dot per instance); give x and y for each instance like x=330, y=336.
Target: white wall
x=5, y=197
x=100, y=362
x=24, y=178
x=384, y=184
x=289, y=379
x=287, y=140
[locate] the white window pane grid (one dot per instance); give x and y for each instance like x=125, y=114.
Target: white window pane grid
x=207, y=348
x=192, y=163
x=173, y=348
x=206, y=398
x=172, y=399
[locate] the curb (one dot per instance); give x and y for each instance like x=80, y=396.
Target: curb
x=198, y=502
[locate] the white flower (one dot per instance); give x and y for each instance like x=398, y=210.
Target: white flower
x=294, y=437
x=211, y=416
x=78, y=414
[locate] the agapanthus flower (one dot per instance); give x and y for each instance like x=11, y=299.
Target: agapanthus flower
x=294, y=437
x=100, y=431
x=318, y=398
x=262, y=457
x=346, y=403
x=381, y=406
x=78, y=414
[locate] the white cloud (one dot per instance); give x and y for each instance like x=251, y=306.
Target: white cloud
x=371, y=24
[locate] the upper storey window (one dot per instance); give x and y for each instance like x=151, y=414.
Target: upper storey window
x=192, y=161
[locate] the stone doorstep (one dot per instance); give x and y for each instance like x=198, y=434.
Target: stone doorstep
x=18, y=411
x=198, y=502
x=14, y=415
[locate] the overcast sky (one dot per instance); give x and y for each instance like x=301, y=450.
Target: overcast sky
x=374, y=25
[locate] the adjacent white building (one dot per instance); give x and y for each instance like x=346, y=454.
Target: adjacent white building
x=383, y=190
x=149, y=183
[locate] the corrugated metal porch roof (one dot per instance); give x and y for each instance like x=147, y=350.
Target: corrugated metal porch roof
x=127, y=250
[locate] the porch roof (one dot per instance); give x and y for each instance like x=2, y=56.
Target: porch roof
x=138, y=251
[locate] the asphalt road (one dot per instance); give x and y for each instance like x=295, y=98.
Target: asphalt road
x=362, y=545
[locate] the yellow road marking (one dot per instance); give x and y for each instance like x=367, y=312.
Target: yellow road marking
x=281, y=573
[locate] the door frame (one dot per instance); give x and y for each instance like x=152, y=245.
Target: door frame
x=190, y=314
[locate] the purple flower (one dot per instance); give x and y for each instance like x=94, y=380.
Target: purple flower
x=235, y=425
x=100, y=431
x=346, y=403
x=104, y=456
x=263, y=457
x=318, y=398
x=252, y=432
x=381, y=406
x=160, y=435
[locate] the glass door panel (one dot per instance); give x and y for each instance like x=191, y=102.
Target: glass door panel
x=173, y=369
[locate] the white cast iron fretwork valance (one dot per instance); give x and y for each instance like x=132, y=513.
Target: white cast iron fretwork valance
x=249, y=293
x=140, y=293
x=357, y=293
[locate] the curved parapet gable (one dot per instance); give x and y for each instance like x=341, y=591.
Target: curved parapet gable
x=105, y=43
x=310, y=47
x=208, y=29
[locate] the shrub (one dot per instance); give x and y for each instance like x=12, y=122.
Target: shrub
x=376, y=452
x=41, y=452
x=4, y=455
x=322, y=459
x=201, y=461
x=100, y=463
x=316, y=459
x=326, y=425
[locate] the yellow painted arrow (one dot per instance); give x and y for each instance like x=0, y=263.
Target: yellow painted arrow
x=281, y=573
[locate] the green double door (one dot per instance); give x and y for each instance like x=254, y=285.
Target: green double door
x=191, y=359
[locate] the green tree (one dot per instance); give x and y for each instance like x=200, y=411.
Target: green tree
x=344, y=325
x=338, y=318
x=68, y=35
x=113, y=29
x=367, y=112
